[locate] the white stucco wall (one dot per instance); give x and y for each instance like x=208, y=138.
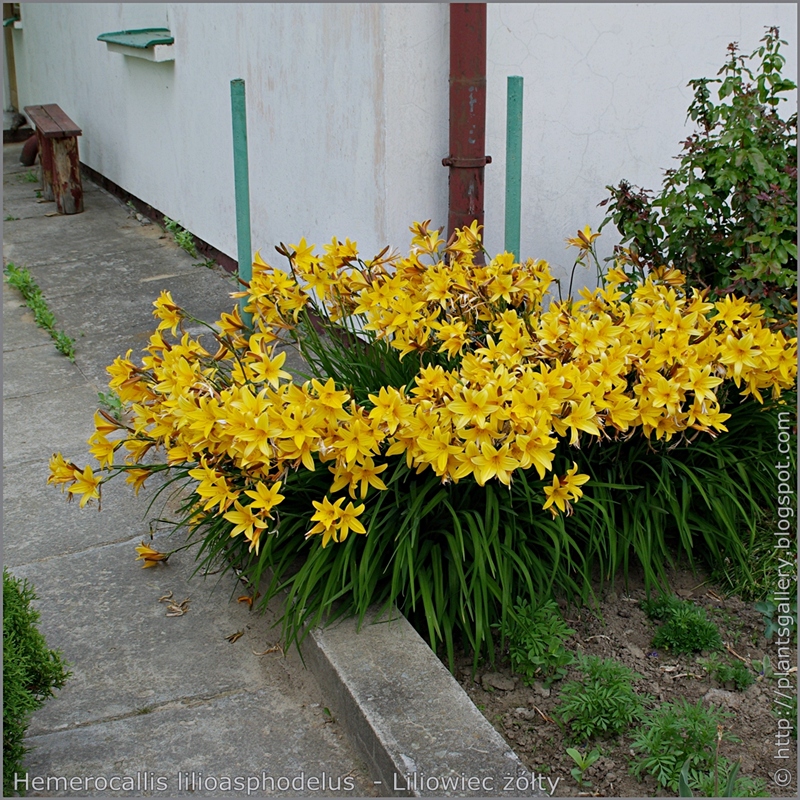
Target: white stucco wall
x=605, y=98
x=348, y=108
x=341, y=104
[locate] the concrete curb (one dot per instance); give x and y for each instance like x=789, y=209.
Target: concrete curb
x=415, y=727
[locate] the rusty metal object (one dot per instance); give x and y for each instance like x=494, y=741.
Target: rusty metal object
x=467, y=157
x=29, y=150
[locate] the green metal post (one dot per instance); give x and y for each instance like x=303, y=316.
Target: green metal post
x=513, y=164
x=242, y=188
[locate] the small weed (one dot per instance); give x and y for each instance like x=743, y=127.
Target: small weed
x=64, y=344
x=22, y=280
x=776, y=618
x=112, y=403
x=722, y=781
x=676, y=733
x=685, y=629
x=10, y=218
x=601, y=703
x=660, y=608
x=209, y=263
x=144, y=710
x=755, y=580
x=536, y=635
x=39, y=194
x=182, y=237
x=727, y=671
x=582, y=762
x=29, y=177
x=764, y=668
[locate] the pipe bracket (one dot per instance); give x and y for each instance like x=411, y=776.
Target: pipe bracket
x=466, y=163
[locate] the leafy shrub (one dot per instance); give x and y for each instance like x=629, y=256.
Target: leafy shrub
x=603, y=702
x=447, y=414
x=728, y=671
x=30, y=672
x=674, y=733
x=536, y=635
x=727, y=215
x=686, y=628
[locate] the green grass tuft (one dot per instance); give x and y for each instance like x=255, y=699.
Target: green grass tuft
x=21, y=279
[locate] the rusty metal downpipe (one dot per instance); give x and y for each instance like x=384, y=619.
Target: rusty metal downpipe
x=467, y=157
x=29, y=151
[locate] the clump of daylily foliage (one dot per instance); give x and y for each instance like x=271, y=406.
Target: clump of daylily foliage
x=436, y=454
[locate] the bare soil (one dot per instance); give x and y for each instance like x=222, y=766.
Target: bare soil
x=617, y=628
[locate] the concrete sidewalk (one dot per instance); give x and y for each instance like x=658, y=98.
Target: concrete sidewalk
x=166, y=702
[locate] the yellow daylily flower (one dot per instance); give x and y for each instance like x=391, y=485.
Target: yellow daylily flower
x=493, y=462
x=61, y=471
x=166, y=311
x=150, y=556
x=264, y=497
x=246, y=522
x=87, y=485
x=584, y=239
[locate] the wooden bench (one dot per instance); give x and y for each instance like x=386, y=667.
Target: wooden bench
x=58, y=154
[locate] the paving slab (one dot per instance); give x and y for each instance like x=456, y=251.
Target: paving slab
x=66, y=415
x=71, y=250
x=20, y=201
x=77, y=315
x=53, y=527
x=144, y=657
x=254, y=738
x=76, y=237
x=142, y=271
x=36, y=369
x=164, y=695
